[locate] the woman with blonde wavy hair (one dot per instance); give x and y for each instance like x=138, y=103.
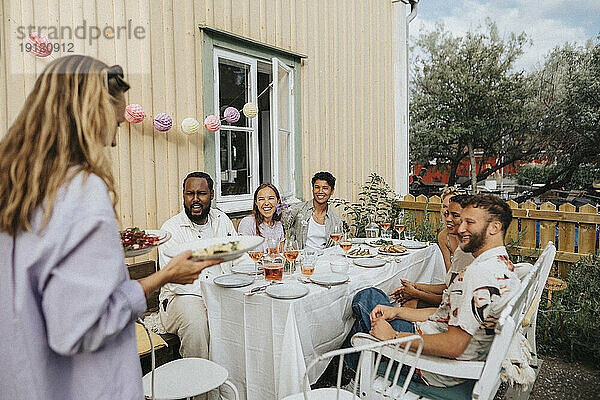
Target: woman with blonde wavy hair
x=68, y=304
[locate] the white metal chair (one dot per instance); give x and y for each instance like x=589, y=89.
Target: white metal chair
x=366, y=355
x=185, y=378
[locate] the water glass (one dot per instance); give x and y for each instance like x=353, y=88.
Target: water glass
x=308, y=265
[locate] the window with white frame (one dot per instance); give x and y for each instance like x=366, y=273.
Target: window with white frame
x=253, y=150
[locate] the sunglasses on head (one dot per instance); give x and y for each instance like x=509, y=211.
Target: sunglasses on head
x=115, y=71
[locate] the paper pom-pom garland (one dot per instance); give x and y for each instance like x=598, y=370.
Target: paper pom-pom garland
x=40, y=44
x=250, y=110
x=232, y=115
x=134, y=113
x=212, y=123
x=190, y=126
x=163, y=122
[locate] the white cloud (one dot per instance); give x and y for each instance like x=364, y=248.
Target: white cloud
x=547, y=23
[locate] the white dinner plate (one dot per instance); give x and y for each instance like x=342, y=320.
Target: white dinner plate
x=233, y=280
x=249, y=269
x=385, y=253
x=413, y=244
x=245, y=243
x=365, y=256
x=162, y=235
x=328, y=278
x=287, y=291
x=371, y=242
x=370, y=262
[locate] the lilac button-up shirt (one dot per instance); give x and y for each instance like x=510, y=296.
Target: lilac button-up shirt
x=68, y=306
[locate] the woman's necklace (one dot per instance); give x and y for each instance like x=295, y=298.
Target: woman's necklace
x=318, y=219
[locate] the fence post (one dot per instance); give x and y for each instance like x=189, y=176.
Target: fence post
x=528, y=226
x=587, y=232
x=512, y=233
x=566, y=236
x=420, y=214
x=434, y=216
x=548, y=226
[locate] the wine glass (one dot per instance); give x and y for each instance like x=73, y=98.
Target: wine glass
x=256, y=256
x=385, y=226
x=272, y=248
x=399, y=225
x=336, y=234
x=346, y=244
x=290, y=252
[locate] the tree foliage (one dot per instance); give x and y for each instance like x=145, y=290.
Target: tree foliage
x=466, y=96
x=567, y=99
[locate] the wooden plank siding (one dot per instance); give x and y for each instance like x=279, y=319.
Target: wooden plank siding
x=346, y=81
x=521, y=233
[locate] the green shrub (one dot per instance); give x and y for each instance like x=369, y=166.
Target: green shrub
x=378, y=199
x=569, y=327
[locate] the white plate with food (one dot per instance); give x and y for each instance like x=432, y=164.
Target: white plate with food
x=137, y=242
x=379, y=242
x=226, y=248
x=370, y=262
x=287, y=291
x=413, y=244
x=392, y=250
x=360, y=253
x=328, y=278
x=233, y=280
x=248, y=269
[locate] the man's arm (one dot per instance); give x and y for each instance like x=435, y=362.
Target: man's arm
x=408, y=314
x=451, y=343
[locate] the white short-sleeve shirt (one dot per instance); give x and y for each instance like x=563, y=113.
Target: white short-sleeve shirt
x=473, y=302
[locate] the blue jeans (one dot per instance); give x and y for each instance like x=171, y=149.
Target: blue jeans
x=363, y=303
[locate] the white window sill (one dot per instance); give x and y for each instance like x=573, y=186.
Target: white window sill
x=235, y=206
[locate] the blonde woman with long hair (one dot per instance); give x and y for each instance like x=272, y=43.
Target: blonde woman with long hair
x=68, y=305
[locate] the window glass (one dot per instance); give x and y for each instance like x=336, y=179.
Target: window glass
x=234, y=88
x=235, y=162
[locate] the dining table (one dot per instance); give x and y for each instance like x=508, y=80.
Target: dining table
x=266, y=343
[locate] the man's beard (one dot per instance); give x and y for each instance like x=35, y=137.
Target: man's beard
x=477, y=240
x=197, y=219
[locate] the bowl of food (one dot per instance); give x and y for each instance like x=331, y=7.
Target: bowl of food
x=137, y=242
x=226, y=248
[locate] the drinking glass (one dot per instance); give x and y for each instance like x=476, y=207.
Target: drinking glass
x=336, y=234
x=273, y=269
x=290, y=252
x=308, y=265
x=399, y=226
x=256, y=256
x=346, y=244
x=272, y=248
x=385, y=226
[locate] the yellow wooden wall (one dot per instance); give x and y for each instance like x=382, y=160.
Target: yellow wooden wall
x=347, y=110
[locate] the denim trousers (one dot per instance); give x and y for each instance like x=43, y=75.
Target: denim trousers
x=362, y=304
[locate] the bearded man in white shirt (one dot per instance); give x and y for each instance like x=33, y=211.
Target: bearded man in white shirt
x=182, y=308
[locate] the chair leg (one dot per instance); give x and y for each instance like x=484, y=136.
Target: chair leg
x=232, y=386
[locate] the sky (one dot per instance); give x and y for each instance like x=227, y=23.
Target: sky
x=547, y=23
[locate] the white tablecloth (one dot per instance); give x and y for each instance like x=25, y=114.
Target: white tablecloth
x=265, y=343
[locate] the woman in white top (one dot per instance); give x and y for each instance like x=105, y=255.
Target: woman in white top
x=415, y=294
x=265, y=219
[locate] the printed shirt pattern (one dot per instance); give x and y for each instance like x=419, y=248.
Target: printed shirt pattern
x=473, y=302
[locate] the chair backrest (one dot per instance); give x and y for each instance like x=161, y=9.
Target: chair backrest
x=401, y=348
x=509, y=321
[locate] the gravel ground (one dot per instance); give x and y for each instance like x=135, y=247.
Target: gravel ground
x=560, y=380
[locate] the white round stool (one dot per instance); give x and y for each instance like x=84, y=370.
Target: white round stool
x=185, y=377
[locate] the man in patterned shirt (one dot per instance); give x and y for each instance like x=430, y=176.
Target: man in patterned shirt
x=462, y=327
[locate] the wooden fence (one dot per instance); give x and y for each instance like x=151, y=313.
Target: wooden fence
x=573, y=231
